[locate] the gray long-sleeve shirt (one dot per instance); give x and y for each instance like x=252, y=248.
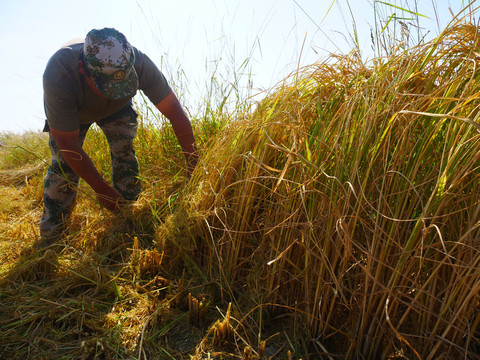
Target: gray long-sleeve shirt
x=68, y=99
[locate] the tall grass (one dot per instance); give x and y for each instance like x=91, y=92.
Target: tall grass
x=17, y=151
x=350, y=195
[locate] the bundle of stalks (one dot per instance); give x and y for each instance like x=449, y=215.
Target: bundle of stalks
x=351, y=196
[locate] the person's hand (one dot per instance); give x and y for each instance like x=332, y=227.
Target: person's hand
x=111, y=199
x=192, y=160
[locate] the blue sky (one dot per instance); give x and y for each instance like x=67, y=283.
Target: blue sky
x=190, y=38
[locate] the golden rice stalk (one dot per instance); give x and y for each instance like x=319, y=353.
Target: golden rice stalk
x=351, y=195
x=222, y=330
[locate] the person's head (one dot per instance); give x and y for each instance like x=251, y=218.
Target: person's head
x=108, y=58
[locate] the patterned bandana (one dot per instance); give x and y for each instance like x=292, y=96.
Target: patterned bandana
x=109, y=58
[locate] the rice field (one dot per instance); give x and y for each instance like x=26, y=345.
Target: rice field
x=338, y=218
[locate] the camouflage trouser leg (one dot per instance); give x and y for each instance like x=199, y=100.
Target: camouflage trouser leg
x=120, y=130
x=59, y=191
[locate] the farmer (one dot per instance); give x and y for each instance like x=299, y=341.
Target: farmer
x=93, y=81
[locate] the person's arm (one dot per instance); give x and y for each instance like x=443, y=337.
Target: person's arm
x=173, y=111
x=80, y=162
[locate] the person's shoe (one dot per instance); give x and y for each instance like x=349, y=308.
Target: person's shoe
x=47, y=240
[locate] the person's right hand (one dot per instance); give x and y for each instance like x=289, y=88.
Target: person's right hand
x=110, y=198
x=71, y=150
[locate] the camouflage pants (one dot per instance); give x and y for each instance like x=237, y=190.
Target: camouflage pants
x=61, y=182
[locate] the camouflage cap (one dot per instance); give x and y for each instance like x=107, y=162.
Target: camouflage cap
x=109, y=58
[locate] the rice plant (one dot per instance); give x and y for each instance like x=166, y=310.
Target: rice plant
x=350, y=196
